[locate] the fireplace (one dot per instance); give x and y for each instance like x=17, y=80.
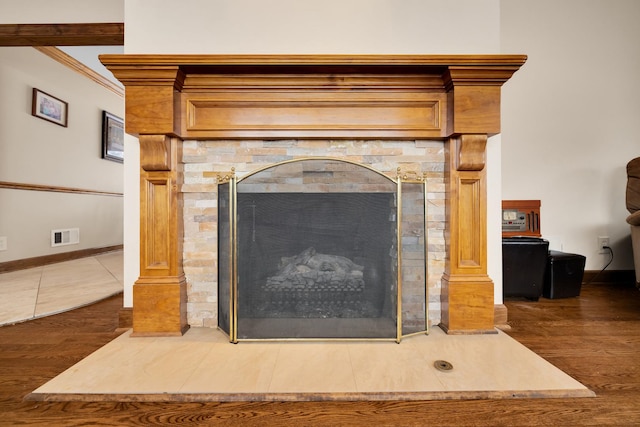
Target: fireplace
x=313, y=248
x=180, y=106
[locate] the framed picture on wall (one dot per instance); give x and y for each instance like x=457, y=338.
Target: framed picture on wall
x=49, y=108
x=112, y=137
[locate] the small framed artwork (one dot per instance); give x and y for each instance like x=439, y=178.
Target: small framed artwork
x=49, y=108
x=112, y=137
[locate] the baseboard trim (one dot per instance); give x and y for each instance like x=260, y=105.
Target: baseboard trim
x=22, y=264
x=609, y=276
x=500, y=317
x=125, y=318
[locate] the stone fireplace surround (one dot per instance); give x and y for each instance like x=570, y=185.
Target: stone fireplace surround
x=200, y=192
x=179, y=104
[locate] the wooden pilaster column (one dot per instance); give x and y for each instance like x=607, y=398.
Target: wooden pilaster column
x=467, y=296
x=160, y=294
x=467, y=290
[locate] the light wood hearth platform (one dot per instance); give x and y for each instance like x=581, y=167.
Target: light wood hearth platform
x=203, y=366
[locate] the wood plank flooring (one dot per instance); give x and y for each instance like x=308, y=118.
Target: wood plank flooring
x=594, y=338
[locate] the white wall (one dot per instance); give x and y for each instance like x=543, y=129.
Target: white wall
x=570, y=118
x=35, y=151
x=312, y=27
x=61, y=11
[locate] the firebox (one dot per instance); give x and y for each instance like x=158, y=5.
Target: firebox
x=313, y=249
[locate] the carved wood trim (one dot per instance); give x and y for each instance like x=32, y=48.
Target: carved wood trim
x=453, y=68
x=325, y=113
x=467, y=290
x=160, y=307
x=466, y=216
x=471, y=152
x=399, y=82
x=155, y=152
x=159, y=294
x=471, y=253
x=467, y=305
x=161, y=227
x=213, y=87
x=157, y=206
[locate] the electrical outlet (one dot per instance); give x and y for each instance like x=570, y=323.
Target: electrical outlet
x=3, y=243
x=603, y=242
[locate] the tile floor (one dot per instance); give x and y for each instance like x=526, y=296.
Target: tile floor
x=203, y=366
x=50, y=289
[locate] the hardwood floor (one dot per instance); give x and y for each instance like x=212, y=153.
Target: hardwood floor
x=594, y=338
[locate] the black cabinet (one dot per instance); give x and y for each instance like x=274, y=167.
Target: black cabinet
x=563, y=276
x=524, y=261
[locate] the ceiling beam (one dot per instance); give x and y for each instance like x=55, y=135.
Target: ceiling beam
x=98, y=34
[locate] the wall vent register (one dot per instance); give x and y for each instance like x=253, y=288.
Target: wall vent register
x=68, y=236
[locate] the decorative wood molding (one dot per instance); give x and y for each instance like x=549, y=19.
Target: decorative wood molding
x=160, y=307
x=454, y=98
x=90, y=34
x=466, y=212
x=55, y=189
x=377, y=96
x=467, y=305
x=467, y=290
x=77, y=66
x=470, y=213
x=160, y=293
x=471, y=152
x=472, y=70
x=155, y=153
x=158, y=203
x=247, y=114
x=22, y=264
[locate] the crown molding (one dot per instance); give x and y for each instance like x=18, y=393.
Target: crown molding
x=77, y=66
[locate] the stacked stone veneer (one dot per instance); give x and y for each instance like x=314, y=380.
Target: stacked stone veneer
x=200, y=197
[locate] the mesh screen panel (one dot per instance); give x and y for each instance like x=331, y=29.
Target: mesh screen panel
x=224, y=259
x=316, y=252
x=413, y=259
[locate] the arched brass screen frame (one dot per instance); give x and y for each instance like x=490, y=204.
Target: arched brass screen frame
x=408, y=177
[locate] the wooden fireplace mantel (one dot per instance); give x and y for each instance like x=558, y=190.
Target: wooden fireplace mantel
x=171, y=98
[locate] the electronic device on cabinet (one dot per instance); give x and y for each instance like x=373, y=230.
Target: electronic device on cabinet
x=521, y=218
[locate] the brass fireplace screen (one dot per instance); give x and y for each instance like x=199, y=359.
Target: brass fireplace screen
x=322, y=248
